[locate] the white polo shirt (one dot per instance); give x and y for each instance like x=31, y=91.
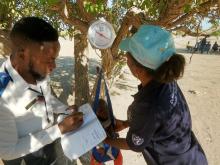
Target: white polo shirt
x=26, y=122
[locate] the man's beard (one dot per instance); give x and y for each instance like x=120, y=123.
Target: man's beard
x=37, y=76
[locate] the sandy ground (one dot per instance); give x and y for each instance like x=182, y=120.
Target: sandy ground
x=200, y=86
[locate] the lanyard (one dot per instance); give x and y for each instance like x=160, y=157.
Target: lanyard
x=40, y=97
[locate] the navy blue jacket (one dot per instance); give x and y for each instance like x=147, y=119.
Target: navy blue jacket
x=160, y=126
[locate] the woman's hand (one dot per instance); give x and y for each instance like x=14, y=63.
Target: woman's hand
x=101, y=151
x=107, y=140
x=120, y=125
x=119, y=143
x=72, y=108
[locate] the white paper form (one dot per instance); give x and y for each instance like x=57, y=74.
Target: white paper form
x=89, y=135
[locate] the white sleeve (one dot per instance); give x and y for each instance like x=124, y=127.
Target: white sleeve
x=12, y=147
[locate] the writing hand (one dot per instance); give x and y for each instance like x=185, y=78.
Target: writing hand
x=71, y=122
x=72, y=108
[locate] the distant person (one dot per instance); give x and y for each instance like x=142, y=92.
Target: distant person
x=202, y=44
x=189, y=47
x=159, y=118
x=197, y=46
x=207, y=47
x=215, y=47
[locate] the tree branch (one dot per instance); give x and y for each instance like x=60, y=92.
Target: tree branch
x=5, y=48
x=173, y=10
x=219, y=7
x=69, y=18
x=188, y=31
x=212, y=30
x=83, y=13
x=184, y=17
x=132, y=17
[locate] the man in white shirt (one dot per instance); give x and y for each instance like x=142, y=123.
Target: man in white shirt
x=27, y=108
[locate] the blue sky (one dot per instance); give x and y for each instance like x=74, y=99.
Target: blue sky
x=205, y=24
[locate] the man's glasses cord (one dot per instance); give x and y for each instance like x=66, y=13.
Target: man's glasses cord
x=45, y=103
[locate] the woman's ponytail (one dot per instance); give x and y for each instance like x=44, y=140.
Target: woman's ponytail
x=170, y=70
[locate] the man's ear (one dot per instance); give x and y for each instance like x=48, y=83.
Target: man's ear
x=24, y=53
x=144, y=72
x=140, y=72
x=136, y=71
x=20, y=53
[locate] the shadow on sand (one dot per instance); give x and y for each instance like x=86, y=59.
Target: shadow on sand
x=62, y=79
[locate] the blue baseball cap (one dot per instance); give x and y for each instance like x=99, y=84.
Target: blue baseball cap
x=151, y=46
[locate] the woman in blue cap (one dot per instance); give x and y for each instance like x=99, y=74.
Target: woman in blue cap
x=159, y=118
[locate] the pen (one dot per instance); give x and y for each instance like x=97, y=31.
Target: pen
x=67, y=114
x=63, y=114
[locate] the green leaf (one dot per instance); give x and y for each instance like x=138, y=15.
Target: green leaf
x=42, y=2
x=91, y=9
x=187, y=8
x=102, y=8
x=52, y=2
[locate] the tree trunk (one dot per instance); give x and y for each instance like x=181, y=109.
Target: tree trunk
x=81, y=70
x=219, y=6
x=4, y=43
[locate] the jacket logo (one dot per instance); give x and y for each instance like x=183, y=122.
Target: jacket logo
x=137, y=140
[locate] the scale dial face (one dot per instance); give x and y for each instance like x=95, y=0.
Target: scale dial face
x=101, y=34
